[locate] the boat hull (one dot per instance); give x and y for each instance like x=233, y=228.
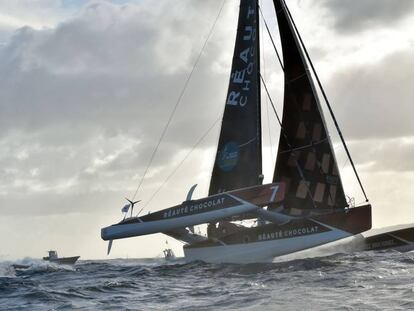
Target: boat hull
x=262, y=244
x=64, y=260
x=20, y=267
x=189, y=213
x=401, y=240
x=261, y=251
x=122, y=231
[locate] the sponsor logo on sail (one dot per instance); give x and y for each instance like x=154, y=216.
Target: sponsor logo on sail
x=228, y=156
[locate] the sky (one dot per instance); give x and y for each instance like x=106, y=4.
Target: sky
x=86, y=88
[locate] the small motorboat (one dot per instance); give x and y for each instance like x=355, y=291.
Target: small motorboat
x=168, y=252
x=53, y=257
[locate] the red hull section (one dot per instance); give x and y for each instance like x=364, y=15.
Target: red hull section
x=354, y=220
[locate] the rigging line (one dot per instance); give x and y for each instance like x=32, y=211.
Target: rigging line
x=271, y=102
x=271, y=39
x=312, y=144
x=178, y=100
x=327, y=102
x=259, y=145
x=282, y=131
x=270, y=133
x=181, y=163
x=346, y=161
x=248, y=142
x=267, y=99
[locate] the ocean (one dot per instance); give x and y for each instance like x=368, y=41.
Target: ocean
x=356, y=281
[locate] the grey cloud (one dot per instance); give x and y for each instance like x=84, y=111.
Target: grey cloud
x=83, y=104
x=375, y=100
x=108, y=65
x=394, y=155
x=351, y=15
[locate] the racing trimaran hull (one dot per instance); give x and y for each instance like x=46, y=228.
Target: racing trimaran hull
x=244, y=244
x=306, y=204
x=264, y=243
x=194, y=212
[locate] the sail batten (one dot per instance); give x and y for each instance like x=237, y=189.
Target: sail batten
x=305, y=161
x=238, y=161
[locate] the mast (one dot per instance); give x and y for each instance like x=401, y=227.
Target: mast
x=238, y=161
x=305, y=161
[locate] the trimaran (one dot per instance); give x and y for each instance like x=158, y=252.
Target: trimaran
x=305, y=205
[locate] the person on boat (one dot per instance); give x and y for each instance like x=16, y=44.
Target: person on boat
x=223, y=228
x=211, y=229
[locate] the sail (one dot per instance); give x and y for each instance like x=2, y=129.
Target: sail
x=238, y=161
x=305, y=161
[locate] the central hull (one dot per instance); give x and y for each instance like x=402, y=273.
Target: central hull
x=264, y=251
x=262, y=244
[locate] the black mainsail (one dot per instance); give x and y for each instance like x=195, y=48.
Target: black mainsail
x=238, y=161
x=305, y=161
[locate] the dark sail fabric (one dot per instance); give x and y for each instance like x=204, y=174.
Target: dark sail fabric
x=238, y=160
x=305, y=161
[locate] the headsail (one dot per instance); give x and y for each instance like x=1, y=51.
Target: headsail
x=238, y=161
x=305, y=161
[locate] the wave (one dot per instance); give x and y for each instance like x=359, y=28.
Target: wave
x=154, y=284
x=29, y=266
